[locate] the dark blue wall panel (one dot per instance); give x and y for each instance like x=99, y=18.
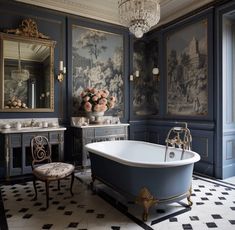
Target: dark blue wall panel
x=49, y=23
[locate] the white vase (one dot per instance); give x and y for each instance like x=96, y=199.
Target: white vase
x=95, y=117
x=98, y=114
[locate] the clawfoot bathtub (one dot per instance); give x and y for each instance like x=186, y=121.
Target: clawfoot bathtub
x=147, y=173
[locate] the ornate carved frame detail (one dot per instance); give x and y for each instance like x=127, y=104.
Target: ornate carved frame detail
x=28, y=28
x=28, y=34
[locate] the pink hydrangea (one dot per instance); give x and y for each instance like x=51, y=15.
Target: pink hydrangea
x=98, y=95
x=87, y=106
x=86, y=98
x=103, y=101
x=97, y=100
x=94, y=90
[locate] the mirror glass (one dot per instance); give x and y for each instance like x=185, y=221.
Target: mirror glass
x=27, y=74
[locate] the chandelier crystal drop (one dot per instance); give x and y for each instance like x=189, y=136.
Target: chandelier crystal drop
x=139, y=15
x=19, y=74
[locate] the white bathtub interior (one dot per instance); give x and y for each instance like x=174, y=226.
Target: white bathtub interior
x=141, y=153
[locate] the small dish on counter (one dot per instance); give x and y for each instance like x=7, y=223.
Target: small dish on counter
x=18, y=125
x=53, y=124
x=6, y=126
x=44, y=124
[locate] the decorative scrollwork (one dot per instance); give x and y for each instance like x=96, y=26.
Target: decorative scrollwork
x=28, y=28
x=40, y=149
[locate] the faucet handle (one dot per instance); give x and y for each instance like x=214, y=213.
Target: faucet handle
x=32, y=122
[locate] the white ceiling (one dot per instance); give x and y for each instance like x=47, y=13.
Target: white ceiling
x=28, y=51
x=107, y=10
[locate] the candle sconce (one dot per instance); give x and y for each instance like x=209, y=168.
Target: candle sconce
x=156, y=74
x=136, y=75
x=62, y=72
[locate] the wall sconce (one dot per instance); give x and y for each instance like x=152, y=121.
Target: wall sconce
x=156, y=74
x=62, y=72
x=137, y=75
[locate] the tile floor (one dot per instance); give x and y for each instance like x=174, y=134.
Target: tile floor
x=213, y=208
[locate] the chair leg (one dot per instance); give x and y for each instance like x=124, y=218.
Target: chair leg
x=58, y=187
x=47, y=192
x=35, y=188
x=71, y=185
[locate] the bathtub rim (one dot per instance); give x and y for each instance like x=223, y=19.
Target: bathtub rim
x=90, y=148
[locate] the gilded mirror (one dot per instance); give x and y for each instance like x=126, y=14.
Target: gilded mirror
x=27, y=71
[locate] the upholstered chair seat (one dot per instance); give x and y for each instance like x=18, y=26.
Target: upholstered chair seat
x=44, y=169
x=53, y=171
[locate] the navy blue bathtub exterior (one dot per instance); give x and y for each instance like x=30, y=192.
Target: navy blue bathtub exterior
x=162, y=183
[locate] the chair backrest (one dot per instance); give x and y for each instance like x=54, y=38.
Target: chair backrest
x=41, y=150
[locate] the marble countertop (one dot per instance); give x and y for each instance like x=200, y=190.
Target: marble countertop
x=31, y=129
x=102, y=125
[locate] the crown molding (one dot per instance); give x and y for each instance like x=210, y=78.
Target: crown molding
x=91, y=9
x=173, y=9
x=107, y=10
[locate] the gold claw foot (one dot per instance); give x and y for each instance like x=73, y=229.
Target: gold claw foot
x=190, y=203
x=146, y=200
x=145, y=217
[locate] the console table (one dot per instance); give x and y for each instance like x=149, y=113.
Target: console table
x=83, y=135
x=16, y=158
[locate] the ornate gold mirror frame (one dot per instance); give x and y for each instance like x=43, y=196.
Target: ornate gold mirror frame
x=26, y=70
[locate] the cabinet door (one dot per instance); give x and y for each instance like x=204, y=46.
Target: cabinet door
x=109, y=132
x=16, y=161
x=56, y=140
x=15, y=150
x=77, y=150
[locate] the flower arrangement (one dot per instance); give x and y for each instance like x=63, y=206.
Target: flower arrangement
x=16, y=103
x=94, y=100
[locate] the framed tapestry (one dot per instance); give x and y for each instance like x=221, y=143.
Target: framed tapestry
x=97, y=62
x=187, y=70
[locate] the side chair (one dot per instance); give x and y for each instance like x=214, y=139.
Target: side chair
x=44, y=169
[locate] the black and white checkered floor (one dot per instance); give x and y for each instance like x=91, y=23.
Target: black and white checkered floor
x=213, y=208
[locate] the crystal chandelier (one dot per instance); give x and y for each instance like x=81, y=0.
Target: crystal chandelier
x=19, y=74
x=139, y=15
